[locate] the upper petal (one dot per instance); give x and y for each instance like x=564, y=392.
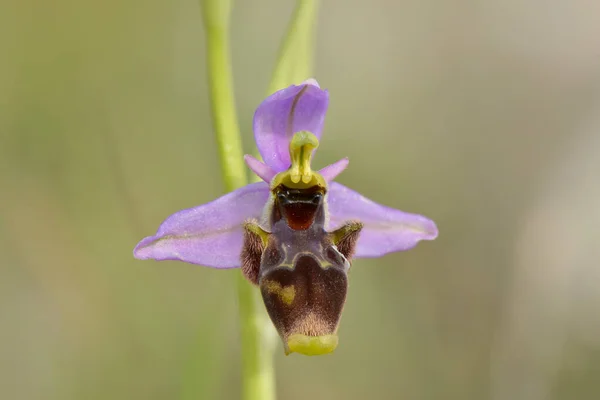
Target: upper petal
x=210, y=234
x=296, y=108
x=385, y=230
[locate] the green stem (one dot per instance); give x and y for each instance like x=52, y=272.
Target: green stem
x=294, y=63
x=257, y=363
x=258, y=371
x=224, y=115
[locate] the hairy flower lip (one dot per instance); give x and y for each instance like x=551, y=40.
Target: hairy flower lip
x=259, y=225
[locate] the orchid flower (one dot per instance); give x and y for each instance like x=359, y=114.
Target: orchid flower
x=294, y=234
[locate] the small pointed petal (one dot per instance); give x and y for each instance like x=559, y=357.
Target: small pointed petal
x=210, y=234
x=331, y=171
x=294, y=109
x=263, y=171
x=385, y=229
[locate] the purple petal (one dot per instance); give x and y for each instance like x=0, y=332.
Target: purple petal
x=279, y=116
x=263, y=171
x=330, y=172
x=210, y=234
x=386, y=230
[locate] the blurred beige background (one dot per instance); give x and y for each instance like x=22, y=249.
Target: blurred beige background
x=484, y=116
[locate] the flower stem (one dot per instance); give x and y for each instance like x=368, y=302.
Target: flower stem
x=294, y=63
x=257, y=363
x=220, y=80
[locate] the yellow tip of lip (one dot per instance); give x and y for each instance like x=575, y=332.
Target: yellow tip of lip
x=311, y=345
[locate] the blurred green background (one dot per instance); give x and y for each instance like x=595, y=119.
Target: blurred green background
x=484, y=116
